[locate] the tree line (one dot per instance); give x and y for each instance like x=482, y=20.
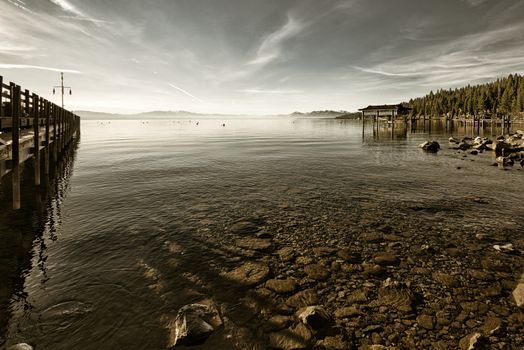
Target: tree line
x=502, y=97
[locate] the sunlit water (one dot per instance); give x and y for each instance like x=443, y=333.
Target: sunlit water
x=139, y=225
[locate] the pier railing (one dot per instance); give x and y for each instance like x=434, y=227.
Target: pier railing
x=31, y=128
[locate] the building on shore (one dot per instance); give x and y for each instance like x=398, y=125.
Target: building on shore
x=387, y=111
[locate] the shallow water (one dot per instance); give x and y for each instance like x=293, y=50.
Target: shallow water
x=137, y=222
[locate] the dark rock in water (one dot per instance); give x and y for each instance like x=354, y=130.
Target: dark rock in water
x=348, y=256
x=501, y=148
x=372, y=237
x=243, y=227
x=315, y=317
x=317, y=272
x=386, y=259
x=298, y=337
x=303, y=298
x=277, y=323
x=193, y=324
x=373, y=269
x=20, y=346
x=281, y=286
x=249, y=274
x=474, y=152
x=348, y=311
x=430, y=146
x=504, y=161
x=253, y=243
x=286, y=254
x=464, y=146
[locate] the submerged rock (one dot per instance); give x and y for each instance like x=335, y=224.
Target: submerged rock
x=306, y=297
x=518, y=293
x=20, y=346
x=470, y=341
x=249, y=274
x=317, y=272
x=253, y=243
x=396, y=295
x=297, y=337
x=281, y=286
x=193, y=324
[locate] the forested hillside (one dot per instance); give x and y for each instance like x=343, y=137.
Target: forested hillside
x=502, y=97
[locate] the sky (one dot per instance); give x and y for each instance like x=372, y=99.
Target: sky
x=255, y=56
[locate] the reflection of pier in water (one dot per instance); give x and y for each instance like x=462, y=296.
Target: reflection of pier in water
x=400, y=129
x=26, y=232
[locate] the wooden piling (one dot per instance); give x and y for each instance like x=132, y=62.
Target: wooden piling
x=1, y=96
x=47, y=141
x=15, y=149
x=36, y=142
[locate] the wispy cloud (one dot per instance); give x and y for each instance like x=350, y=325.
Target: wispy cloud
x=25, y=66
x=475, y=2
x=270, y=92
x=68, y=7
x=271, y=47
x=185, y=92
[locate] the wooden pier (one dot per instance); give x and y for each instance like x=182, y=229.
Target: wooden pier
x=31, y=128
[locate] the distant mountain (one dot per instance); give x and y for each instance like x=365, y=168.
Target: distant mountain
x=326, y=113
x=88, y=115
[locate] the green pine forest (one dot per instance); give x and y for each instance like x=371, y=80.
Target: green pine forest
x=499, y=98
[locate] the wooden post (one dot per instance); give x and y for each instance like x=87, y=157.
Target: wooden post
x=36, y=139
x=1, y=96
x=15, y=147
x=55, y=132
x=47, y=143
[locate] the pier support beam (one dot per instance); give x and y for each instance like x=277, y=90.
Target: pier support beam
x=36, y=142
x=15, y=154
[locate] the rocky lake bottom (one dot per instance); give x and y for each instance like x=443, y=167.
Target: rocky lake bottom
x=308, y=234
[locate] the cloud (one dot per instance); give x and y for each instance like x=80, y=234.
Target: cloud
x=475, y=2
x=185, y=92
x=66, y=6
x=270, y=92
x=271, y=47
x=25, y=66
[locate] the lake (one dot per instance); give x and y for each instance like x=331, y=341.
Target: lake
x=138, y=223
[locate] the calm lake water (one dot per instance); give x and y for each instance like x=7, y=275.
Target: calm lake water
x=137, y=222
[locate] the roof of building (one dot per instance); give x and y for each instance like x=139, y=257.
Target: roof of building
x=384, y=107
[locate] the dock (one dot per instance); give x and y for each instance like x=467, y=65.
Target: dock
x=31, y=129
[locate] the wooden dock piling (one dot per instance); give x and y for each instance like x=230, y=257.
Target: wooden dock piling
x=31, y=128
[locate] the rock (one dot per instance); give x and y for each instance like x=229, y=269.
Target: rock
x=371, y=237
x=474, y=152
x=491, y=326
x=358, y=296
x=315, y=317
x=373, y=270
x=281, y=286
x=504, y=161
x=348, y=256
x=396, y=295
x=20, y=346
x=249, y=274
x=303, y=298
x=430, y=146
x=347, y=311
x=286, y=254
x=470, y=341
x=333, y=343
x=426, y=321
x=193, y=324
x=501, y=148
x=243, y=227
x=464, y=146
x=277, y=323
x=452, y=140
x=506, y=248
x=445, y=279
x=297, y=337
x=386, y=259
x=317, y=272
x=518, y=292
x=253, y=243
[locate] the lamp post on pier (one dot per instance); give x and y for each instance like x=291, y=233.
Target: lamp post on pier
x=62, y=88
